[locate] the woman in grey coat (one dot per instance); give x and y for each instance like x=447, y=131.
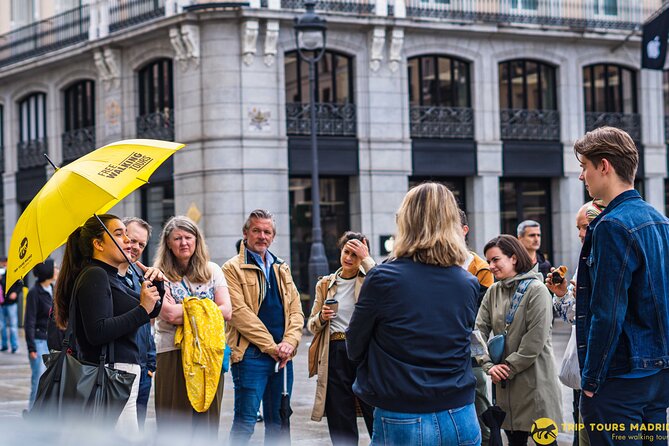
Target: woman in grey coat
x=526, y=380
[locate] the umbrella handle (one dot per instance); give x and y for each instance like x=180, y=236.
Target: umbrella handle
x=494, y=394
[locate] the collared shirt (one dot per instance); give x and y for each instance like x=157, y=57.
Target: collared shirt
x=266, y=265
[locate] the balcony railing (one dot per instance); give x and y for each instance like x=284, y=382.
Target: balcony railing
x=77, y=143
x=31, y=153
x=578, y=14
x=630, y=122
x=125, y=13
x=158, y=125
x=331, y=119
x=442, y=122
x=47, y=35
x=535, y=125
x=352, y=6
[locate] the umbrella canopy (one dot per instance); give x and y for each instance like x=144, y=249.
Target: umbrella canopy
x=493, y=417
x=92, y=184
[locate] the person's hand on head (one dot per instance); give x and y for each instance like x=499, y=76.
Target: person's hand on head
x=358, y=247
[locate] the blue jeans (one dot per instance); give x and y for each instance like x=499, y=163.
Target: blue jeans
x=254, y=380
x=453, y=427
x=143, y=396
x=37, y=367
x=9, y=320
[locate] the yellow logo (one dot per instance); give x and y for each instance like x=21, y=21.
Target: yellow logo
x=544, y=431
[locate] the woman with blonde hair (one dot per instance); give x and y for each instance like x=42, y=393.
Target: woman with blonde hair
x=184, y=259
x=411, y=328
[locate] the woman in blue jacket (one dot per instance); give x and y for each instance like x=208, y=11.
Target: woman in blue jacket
x=411, y=328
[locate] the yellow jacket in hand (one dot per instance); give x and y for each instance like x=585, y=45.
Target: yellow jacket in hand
x=202, y=341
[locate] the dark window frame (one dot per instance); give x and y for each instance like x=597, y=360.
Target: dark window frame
x=335, y=55
x=154, y=95
x=437, y=92
x=607, y=99
x=540, y=96
x=32, y=133
x=80, y=93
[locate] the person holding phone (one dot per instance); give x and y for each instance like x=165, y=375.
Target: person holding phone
x=336, y=295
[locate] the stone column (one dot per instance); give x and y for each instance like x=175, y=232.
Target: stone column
x=651, y=106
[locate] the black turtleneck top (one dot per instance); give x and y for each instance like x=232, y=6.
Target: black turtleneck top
x=97, y=287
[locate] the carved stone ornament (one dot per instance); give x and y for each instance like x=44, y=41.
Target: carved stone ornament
x=378, y=43
x=106, y=62
x=395, y=51
x=249, y=40
x=271, y=40
x=186, y=43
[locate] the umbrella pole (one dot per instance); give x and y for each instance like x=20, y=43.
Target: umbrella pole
x=125, y=256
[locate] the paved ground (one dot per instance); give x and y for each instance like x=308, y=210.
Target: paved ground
x=15, y=389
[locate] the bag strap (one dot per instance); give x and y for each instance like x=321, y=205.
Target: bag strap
x=515, y=301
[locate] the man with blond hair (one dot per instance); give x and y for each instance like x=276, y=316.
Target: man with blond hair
x=622, y=299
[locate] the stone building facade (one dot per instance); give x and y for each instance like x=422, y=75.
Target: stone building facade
x=487, y=96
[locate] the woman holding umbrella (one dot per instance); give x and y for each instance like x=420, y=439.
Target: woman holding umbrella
x=520, y=306
x=336, y=373
x=183, y=256
x=105, y=312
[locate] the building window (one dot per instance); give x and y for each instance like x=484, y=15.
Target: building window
x=665, y=88
x=335, y=104
x=527, y=199
x=439, y=80
x=79, y=136
x=23, y=12
x=157, y=206
x=156, y=101
x=606, y=7
x=32, y=131
x=335, y=220
x=454, y=184
x=528, y=5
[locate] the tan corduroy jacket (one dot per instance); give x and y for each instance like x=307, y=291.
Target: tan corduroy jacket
x=322, y=331
x=244, y=283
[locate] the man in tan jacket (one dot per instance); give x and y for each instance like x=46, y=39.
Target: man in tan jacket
x=265, y=329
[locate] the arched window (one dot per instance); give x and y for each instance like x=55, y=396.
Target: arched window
x=78, y=137
x=528, y=101
x=32, y=131
x=335, y=104
x=610, y=95
x=156, y=101
x=440, y=97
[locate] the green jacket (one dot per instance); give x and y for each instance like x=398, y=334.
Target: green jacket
x=532, y=390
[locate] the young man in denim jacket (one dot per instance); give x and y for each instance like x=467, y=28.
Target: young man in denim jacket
x=622, y=300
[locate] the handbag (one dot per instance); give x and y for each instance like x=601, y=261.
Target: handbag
x=496, y=343
x=70, y=387
x=570, y=372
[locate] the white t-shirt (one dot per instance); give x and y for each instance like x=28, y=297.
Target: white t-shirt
x=346, y=297
x=164, y=330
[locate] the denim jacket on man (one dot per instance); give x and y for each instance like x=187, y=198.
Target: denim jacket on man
x=622, y=300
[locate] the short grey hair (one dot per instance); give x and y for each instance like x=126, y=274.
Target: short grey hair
x=526, y=224
x=261, y=214
x=127, y=220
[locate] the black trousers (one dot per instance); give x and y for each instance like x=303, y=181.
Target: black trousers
x=340, y=402
x=577, y=398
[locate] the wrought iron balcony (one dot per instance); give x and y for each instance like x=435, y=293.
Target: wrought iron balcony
x=534, y=125
x=158, y=125
x=77, y=143
x=39, y=38
x=31, y=153
x=352, y=6
x=441, y=122
x=332, y=119
x=577, y=14
x=125, y=13
x=630, y=122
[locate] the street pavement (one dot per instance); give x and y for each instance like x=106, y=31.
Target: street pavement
x=15, y=390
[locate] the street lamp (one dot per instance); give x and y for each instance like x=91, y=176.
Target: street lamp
x=310, y=31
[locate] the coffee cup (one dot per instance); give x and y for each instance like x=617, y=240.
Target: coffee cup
x=333, y=304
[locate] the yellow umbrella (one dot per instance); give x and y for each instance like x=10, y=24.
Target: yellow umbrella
x=92, y=184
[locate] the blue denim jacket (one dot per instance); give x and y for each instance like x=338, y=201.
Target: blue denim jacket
x=622, y=299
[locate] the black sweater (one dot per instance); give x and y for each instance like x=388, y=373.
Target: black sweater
x=410, y=331
x=97, y=286
x=38, y=305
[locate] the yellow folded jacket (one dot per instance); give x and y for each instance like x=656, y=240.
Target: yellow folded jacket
x=202, y=342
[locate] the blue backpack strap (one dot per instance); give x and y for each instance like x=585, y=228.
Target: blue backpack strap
x=515, y=301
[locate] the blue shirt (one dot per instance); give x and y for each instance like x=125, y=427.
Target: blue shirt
x=264, y=266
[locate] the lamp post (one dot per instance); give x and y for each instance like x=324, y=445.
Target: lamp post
x=310, y=32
